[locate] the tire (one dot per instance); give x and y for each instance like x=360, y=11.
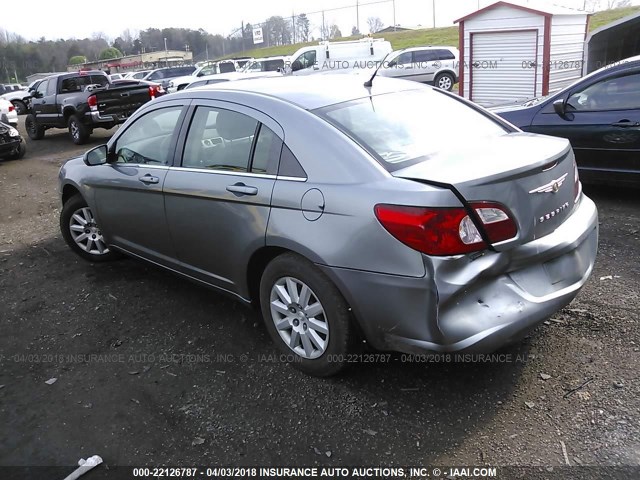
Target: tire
x=78, y=132
x=22, y=150
x=445, y=81
x=94, y=249
x=321, y=323
x=21, y=108
x=35, y=131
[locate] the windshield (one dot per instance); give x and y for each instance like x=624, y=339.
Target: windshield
x=403, y=128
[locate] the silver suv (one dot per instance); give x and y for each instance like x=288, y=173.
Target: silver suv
x=433, y=65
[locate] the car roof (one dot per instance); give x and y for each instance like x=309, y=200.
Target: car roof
x=316, y=91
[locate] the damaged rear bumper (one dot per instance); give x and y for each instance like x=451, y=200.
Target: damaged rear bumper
x=467, y=305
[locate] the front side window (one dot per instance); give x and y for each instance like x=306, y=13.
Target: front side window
x=147, y=140
x=219, y=139
x=405, y=59
x=307, y=59
x=42, y=88
x=396, y=130
x=617, y=93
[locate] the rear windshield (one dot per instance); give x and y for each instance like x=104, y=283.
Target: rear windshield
x=403, y=128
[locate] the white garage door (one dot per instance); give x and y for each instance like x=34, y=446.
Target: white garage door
x=503, y=67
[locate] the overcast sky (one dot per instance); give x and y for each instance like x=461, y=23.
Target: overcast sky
x=112, y=17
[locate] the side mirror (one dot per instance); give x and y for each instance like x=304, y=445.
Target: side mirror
x=296, y=65
x=96, y=156
x=559, y=107
x=36, y=94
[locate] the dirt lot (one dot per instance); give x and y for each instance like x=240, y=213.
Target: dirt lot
x=152, y=369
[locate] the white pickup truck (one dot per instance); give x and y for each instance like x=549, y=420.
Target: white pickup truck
x=21, y=99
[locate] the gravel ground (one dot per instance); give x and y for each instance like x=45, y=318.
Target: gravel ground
x=151, y=369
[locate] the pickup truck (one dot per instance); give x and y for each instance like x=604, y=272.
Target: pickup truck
x=82, y=102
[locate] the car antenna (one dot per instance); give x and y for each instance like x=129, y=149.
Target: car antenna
x=369, y=83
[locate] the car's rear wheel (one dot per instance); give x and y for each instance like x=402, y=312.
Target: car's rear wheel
x=20, y=107
x=35, y=131
x=445, y=81
x=306, y=316
x=81, y=232
x=79, y=133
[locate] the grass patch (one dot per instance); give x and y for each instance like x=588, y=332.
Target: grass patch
x=428, y=36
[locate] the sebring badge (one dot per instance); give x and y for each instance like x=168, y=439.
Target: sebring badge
x=552, y=187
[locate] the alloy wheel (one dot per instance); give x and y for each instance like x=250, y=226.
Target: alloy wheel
x=299, y=317
x=86, y=233
x=445, y=83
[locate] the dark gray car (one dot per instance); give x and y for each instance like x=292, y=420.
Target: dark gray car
x=344, y=212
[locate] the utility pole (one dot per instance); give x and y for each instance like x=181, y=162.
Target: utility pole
x=242, y=37
x=358, y=14
x=293, y=26
x=433, y=3
x=166, y=53
x=206, y=49
x=394, y=15
x=323, y=27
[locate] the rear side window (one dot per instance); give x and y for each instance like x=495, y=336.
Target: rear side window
x=226, y=67
x=289, y=165
x=273, y=65
x=266, y=152
x=396, y=131
x=445, y=54
x=420, y=56
x=219, y=139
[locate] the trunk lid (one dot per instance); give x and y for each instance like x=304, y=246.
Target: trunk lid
x=121, y=102
x=531, y=175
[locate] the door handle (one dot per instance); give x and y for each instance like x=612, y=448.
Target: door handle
x=239, y=189
x=625, y=124
x=149, y=179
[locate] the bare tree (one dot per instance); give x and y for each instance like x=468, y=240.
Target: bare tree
x=375, y=24
x=334, y=32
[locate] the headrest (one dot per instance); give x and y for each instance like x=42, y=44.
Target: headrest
x=232, y=125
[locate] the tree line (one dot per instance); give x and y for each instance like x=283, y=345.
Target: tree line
x=20, y=57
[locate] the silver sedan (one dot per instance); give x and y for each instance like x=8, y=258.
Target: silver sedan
x=394, y=213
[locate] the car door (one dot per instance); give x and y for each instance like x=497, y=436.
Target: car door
x=426, y=65
x=218, y=199
x=39, y=101
x=602, y=121
x=401, y=66
x=128, y=192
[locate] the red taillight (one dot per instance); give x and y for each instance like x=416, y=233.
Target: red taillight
x=11, y=108
x=446, y=231
x=92, y=101
x=155, y=91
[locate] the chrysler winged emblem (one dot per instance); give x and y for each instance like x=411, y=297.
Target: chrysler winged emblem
x=552, y=187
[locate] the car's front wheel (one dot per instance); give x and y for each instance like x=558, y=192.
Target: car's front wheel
x=82, y=233
x=35, y=131
x=306, y=315
x=20, y=107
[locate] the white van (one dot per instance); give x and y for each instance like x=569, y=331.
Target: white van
x=356, y=54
